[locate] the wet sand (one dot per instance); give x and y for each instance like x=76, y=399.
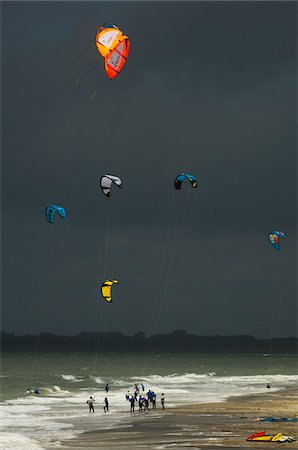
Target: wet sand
x=225, y=425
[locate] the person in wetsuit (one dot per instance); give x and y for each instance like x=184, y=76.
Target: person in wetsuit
x=146, y=404
x=154, y=400
x=162, y=400
x=106, y=406
x=132, y=403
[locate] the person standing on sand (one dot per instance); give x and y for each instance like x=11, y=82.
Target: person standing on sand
x=106, y=407
x=146, y=404
x=136, y=395
x=136, y=391
x=90, y=403
x=141, y=400
x=132, y=403
x=153, y=401
x=162, y=400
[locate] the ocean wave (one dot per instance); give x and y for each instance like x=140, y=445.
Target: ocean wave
x=186, y=378
x=72, y=378
x=55, y=390
x=18, y=441
x=97, y=380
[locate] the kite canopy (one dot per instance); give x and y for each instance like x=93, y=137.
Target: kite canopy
x=51, y=211
x=185, y=176
x=274, y=238
x=106, y=288
x=114, y=47
x=106, y=182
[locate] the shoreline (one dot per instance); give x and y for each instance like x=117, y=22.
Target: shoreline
x=225, y=424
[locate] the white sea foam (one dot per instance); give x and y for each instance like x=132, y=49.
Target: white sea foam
x=116, y=382
x=55, y=391
x=72, y=378
x=201, y=388
x=18, y=441
x=97, y=380
x=28, y=424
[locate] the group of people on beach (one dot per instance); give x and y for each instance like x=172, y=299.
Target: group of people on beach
x=135, y=398
x=141, y=400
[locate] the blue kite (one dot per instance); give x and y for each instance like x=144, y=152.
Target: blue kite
x=51, y=210
x=274, y=238
x=185, y=176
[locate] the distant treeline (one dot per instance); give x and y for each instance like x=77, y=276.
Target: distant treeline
x=177, y=341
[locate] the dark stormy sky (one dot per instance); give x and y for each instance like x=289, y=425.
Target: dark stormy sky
x=209, y=88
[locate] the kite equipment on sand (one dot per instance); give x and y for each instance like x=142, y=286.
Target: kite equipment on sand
x=51, y=210
x=185, y=176
x=274, y=238
x=106, y=182
x=263, y=437
x=114, y=47
x=279, y=419
x=106, y=288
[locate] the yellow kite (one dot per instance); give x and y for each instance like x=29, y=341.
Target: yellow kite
x=106, y=288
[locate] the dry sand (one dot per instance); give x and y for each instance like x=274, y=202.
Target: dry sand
x=198, y=426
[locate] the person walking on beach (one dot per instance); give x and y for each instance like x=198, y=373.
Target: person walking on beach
x=162, y=400
x=90, y=403
x=106, y=406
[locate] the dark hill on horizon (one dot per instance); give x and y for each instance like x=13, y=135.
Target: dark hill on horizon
x=177, y=341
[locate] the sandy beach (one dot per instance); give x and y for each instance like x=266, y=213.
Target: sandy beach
x=226, y=425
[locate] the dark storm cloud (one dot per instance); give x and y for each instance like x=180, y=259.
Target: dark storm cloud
x=209, y=88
